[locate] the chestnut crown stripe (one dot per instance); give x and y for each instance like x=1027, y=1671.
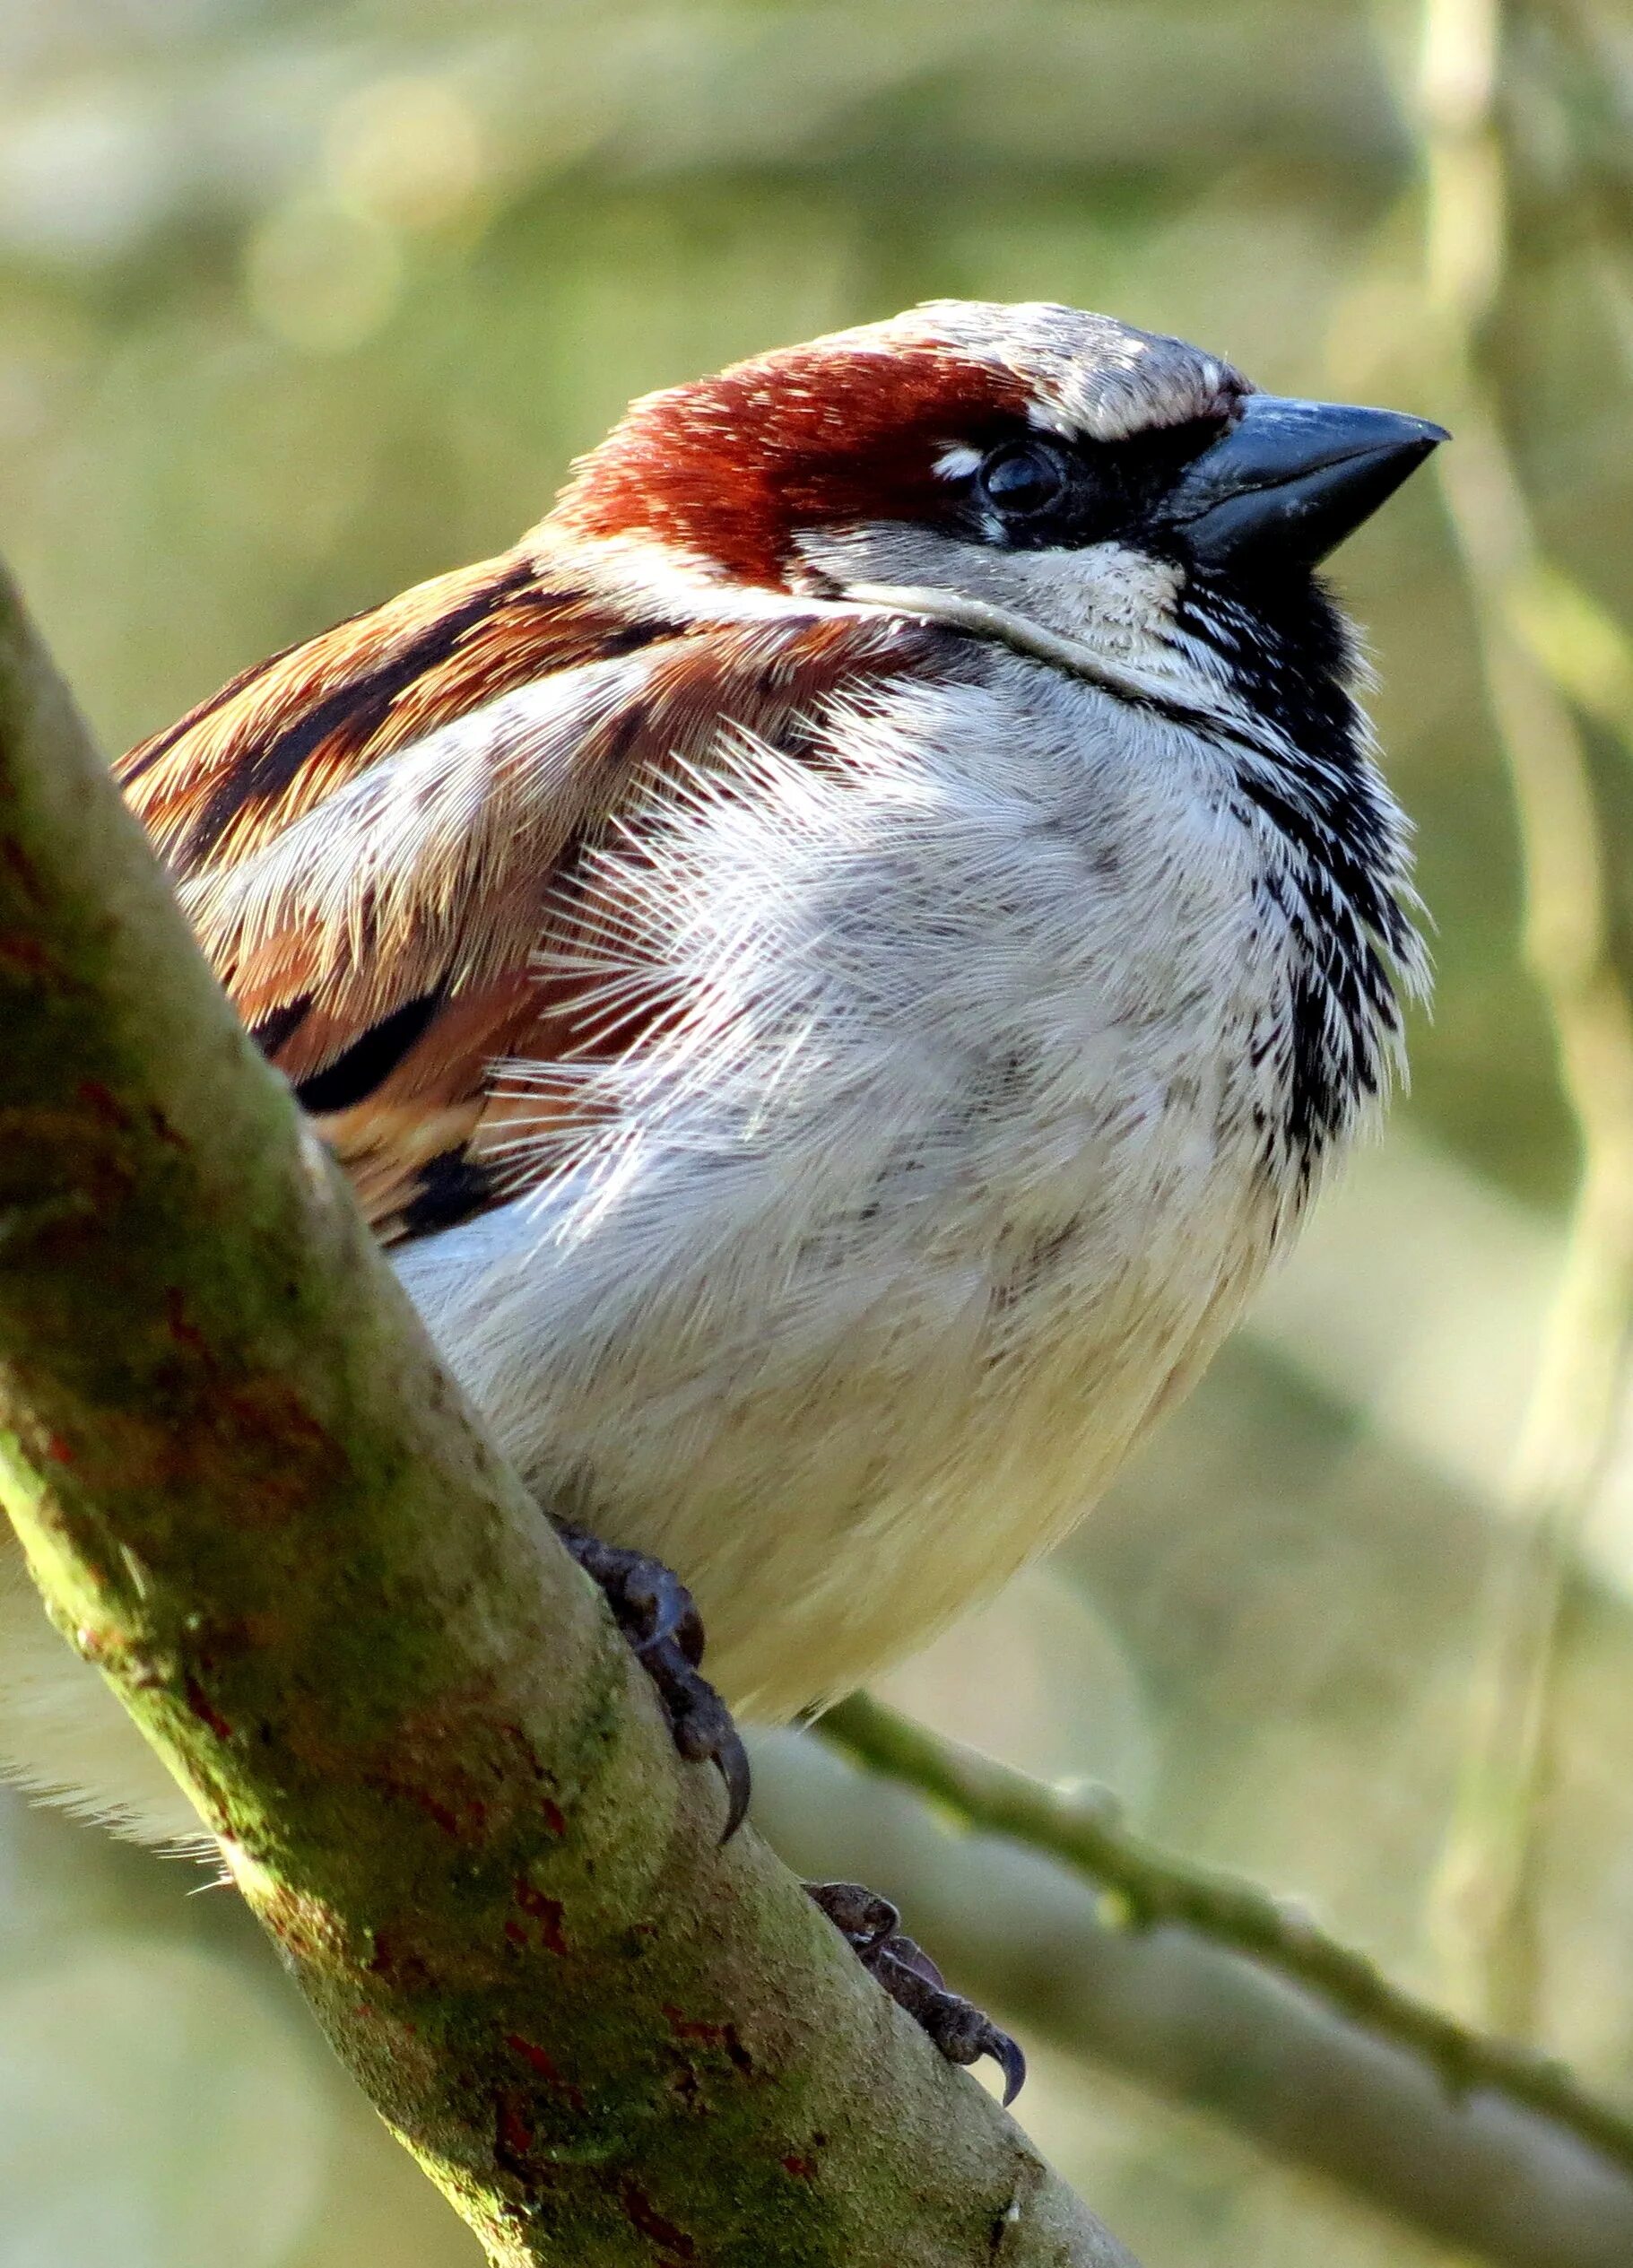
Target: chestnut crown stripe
x=727, y=468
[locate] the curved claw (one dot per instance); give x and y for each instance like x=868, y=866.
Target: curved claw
x=703, y=1731
x=962, y=2033
x=732, y=1762
x=1006, y=2053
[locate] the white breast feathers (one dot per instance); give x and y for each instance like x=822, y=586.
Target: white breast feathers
x=953, y=1170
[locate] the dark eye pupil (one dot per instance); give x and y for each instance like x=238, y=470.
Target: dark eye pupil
x=1023, y=477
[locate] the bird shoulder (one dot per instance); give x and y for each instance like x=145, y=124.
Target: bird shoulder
x=375, y=834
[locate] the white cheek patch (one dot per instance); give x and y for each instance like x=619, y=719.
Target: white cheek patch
x=957, y=463
x=1118, y=604
x=1115, y=582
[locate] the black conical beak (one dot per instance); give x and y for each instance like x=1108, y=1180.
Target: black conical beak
x=1290, y=480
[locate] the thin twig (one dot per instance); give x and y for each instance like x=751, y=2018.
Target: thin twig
x=1143, y=1887
x=1487, y=1893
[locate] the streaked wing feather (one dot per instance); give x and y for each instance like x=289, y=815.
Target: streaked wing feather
x=371, y=831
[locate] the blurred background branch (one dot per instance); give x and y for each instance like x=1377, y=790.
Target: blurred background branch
x=299, y=304
x=1528, y=2176
x=1141, y=1887
x=1530, y=627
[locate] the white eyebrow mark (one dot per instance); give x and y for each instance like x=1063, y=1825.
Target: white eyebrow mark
x=958, y=462
x=1048, y=419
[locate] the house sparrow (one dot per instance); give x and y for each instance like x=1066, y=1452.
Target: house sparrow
x=834, y=965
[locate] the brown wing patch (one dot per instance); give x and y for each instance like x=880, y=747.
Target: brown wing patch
x=280, y=738
x=385, y=921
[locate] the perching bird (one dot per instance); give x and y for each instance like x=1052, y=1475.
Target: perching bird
x=834, y=964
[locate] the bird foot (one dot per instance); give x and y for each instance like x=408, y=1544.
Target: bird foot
x=871, y=1926
x=660, y=1621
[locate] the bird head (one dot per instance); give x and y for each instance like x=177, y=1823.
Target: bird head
x=1118, y=501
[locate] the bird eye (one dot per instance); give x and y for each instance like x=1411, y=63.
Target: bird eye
x=1023, y=478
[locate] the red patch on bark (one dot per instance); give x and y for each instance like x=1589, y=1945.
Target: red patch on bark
x=184, y=1334
x=731, y=466
x=270, y=1410
x=726, y=2035
x=423, y=1768
x=23, y=867
x=308, y=1929
x=57, y=1450
x=404, y=1970
x=512, y=2136
x=27, y=955
x=204, y=1709
x=103, y=1103
x=443, y=1815
x=802, y=2169
x=546, y=1912
x=549, y=2070
x=555, y=1817
x=640, y=2211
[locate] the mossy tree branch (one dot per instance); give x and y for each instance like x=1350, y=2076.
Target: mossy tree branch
x=252, y=1497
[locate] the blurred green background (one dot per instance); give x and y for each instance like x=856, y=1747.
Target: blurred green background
x=301, y=303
